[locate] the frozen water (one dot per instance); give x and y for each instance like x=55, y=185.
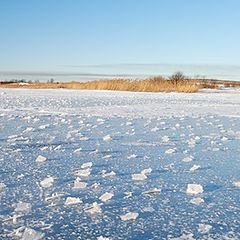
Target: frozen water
x=67, y=129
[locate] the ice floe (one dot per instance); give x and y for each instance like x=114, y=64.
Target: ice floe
x=129, y=216
x=78, y=184
x=94, y=208
x=170, y=151
x=40, y=159
x=83, y=172
x=132, y=156
x=194, y=168
x=151, y=192
x=31, y=234
x=204, y=228
x=23, y=207
x=87, y=165
x=194, y=189
x=47, y=182
x=106, y=197
x=107, y=138
x=236, y=184
x=197, y=201
x=72, y=201
x=139, y=176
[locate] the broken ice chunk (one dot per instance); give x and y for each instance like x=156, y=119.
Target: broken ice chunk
x=107, y=138
x=94, y=208
x=165, y=139
x=31, y=234
x=148, y=209
x=77, y=150
x=72, y=201
x=224, y=139
x=83, y=172
x=152, y=191
x=155, y=129
x=2, y=186
x=127, y=195
x=23, y=207
x=47, y=182
x=103, y=238
x=43, y=126
x=129, y=216
x=194, y=189
x=197, y=201
x=78, y=184
x=204, y=228
x=87, y=165
x=106, y=197
x=29, y=129
x=83, y=138
x=132, y=156
x=188, y=159
x=184, y=236
x=194, y=168
x=236, y=184
x=40, y=158
x=146, y=171
x=106, y=157
x=139, y=177
x=110, y=174
x=170, y=151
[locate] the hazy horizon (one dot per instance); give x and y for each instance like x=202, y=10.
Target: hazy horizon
x=106, y=71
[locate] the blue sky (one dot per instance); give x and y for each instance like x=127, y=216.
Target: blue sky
x=57, y=34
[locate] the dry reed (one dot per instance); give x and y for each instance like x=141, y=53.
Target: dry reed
x=155, y=84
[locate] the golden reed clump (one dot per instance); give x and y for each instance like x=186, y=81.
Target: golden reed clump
x=155, y=84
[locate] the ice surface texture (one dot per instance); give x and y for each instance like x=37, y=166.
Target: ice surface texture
x=118, y=165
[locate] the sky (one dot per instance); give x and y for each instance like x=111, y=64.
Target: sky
x=53, y=35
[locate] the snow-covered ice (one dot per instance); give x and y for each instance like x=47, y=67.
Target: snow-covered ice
x=119, y=165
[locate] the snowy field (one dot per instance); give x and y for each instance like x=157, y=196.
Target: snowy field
x=119, y=165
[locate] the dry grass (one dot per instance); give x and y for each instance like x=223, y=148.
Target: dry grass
x=217, y=84
x=156, y=84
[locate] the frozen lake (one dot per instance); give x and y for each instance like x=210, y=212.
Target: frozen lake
x=119, y=165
